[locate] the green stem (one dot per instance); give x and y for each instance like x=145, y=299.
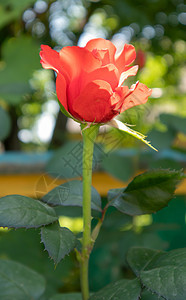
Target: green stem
x=89, y=136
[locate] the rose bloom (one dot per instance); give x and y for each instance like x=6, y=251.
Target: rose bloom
x=90, y=79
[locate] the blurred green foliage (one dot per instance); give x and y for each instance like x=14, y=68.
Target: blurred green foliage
x=12, y=10
x=20, y=60
x=6, y=121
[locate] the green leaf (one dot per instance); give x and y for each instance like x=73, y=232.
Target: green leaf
x=19, y=211
x=58, y=241
x=19, y=282
x=140, y=259
x=120, y=290
x=163, y=274
x=146, y=193
x=147, y=295
x=174, y=257
x=119, y=164
x=168, y=282
x=71, y=194
x=69, y=296
x=5, y=124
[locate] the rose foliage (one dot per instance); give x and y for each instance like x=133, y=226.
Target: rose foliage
x=90, y=80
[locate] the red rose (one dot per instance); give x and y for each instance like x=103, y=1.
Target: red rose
x=89, y=80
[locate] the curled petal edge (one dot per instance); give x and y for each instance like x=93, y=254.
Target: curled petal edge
x=130, y=72
x=121, y=126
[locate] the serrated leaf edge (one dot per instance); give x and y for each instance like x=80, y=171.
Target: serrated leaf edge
x=42, y=241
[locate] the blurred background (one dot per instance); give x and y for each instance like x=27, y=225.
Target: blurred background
x=34, y=134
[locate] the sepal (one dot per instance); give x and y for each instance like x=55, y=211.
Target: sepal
x=121, y=126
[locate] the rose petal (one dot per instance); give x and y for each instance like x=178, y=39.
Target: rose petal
x=107, y=73
x=93, y=104
x=130, y=72
x=102, y=44
x=61, y=90
x=121, y=93
x=102, y=55
x=49, y=58
x=126, y=57
x=75, y=59
x=139, y=95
